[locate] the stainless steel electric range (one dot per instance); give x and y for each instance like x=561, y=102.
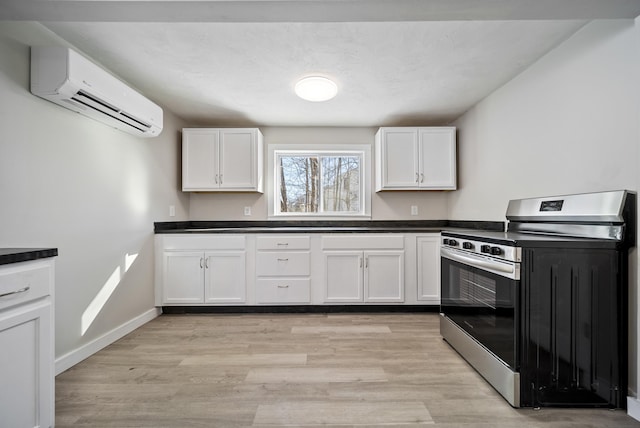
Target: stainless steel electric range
x=540, y=311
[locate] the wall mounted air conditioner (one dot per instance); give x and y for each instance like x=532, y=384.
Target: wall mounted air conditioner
x=63, y=76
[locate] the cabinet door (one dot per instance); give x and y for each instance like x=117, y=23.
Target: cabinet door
x=429, y=268
x=343, y=276
x=225, y=279
x=398, y=162
x=26, y=366
x=183, y=277
x=437, y=158
x=200, y=159
x=238, y=159
x=384, y=276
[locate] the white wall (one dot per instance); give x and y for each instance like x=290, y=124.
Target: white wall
x=91, y=191
x=568, y=124
x=384, y=205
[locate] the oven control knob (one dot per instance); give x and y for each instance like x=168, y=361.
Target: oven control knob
x=453, y=242
x=485, y=249
x=445, y=241
x=467, y=245
x=496, y=251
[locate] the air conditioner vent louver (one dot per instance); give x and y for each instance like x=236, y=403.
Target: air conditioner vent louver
x=146, y=125
x=62, y=76
x=102, y=107
x=82, y=94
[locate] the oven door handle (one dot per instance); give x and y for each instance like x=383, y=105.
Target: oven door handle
x=508, y=268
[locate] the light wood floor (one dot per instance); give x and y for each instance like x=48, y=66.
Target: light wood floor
x=279, y=370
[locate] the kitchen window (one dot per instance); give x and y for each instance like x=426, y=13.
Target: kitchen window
x=324, y=181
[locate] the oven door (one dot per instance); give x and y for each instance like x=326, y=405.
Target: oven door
x=480, y=295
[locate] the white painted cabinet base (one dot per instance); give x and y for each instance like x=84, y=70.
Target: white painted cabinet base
x=297, y=269
x=364, y=268
x=428, y=251
x=283, y=269
x=200, y=269
x=26, y=345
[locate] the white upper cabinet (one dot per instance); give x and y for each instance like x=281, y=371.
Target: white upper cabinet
x=222, y=159
x=410, y=158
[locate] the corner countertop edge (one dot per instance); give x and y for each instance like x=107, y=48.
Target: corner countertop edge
x=17, y=255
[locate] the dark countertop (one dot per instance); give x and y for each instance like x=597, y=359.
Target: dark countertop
x=324, y=226
x=16, y=255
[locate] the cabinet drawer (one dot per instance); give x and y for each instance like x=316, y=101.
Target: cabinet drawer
x=370, y=242
x=205, y=241
x=285, y=290
x=23, y=282
x=282, y=263
x=282, y=242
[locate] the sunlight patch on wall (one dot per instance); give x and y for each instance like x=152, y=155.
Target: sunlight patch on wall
x=95, y=307
x=128, y=260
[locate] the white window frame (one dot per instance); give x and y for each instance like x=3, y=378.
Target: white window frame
x=363, y=150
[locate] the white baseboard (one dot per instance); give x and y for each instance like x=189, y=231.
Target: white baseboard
x=633, y=408
x=72, y=358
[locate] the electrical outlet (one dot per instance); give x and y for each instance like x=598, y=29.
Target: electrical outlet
x=247, y=210
x=172, y=210
x=414, y=210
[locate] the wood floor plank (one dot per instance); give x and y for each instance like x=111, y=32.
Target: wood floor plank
x=338, y=329
x=245, y=359
x=316, y=375
x=330, y=413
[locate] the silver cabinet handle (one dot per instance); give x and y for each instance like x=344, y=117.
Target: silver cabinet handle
x=206, y=263
x=421, y=178
x=416, y=177
x=216, y=178
x=366, y=262
x=201, y=262
x=283, y=286
x=282, y=244
x=360, y=261
x=220, y=178
x=22, y=290
x=283, y=260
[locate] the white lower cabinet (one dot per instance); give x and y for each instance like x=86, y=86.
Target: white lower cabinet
x=297, y=269
x=367, y=269
x=215, y=275
x=428, y=252
x=364, y=276
x=283, y=271
x=26, y=345
x=204, y=277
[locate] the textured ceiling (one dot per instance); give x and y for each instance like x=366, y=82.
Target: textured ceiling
x=405, y=71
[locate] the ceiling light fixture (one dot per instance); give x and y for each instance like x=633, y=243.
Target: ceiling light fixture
x=316, y=88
